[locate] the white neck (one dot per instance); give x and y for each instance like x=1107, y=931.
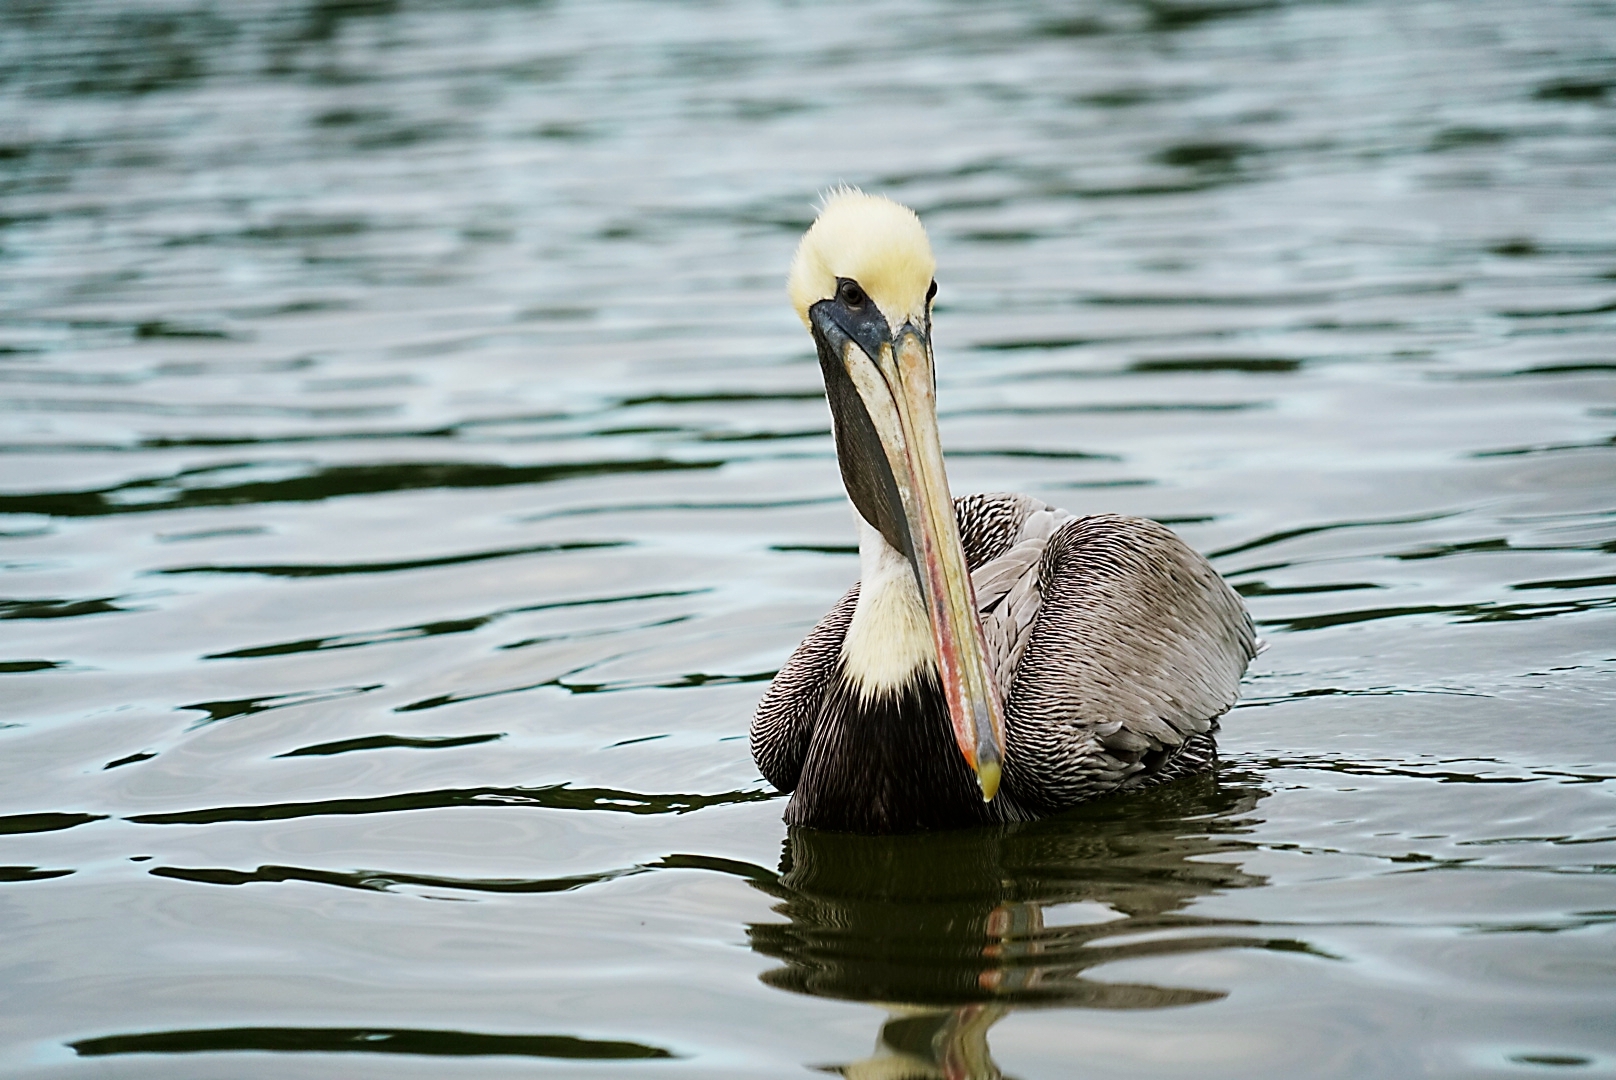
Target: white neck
x=888, y=643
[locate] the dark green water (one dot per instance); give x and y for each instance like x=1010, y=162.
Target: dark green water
x=411, y=471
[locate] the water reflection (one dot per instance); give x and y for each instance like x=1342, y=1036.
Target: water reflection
x=949, y=932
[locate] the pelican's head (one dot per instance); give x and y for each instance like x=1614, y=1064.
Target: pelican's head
x=863, y=283
x=876, y=244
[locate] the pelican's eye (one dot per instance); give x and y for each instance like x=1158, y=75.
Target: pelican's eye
x=931, y=292
x=849, y=293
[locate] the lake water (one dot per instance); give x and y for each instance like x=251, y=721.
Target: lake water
x=411, y=472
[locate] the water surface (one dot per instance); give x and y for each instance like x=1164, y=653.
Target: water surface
x=411, y=472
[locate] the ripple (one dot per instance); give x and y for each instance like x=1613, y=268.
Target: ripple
x=29, y=873
x=1588, y=367
x=720, y=397
x=302, y=570
x=199, y=487
x=761, y=436
x=162, y=328
x=18, y=667
x=231, y=710
x=819, y=549
x=1170, y=15
x=1568, y=583
x=1545, y=448
x=435, y=628
x=1262, y=588
x=1269, y=539
x=679, y=507
x=211, y=409
x=58, y=609
x=683, y=682
x=287, y=1040
x=1491, y=545
x=1493, y=773
x=386, y=742
x=1019, y=452
x=38, y=823
x=1576, y=89
x=1571, y=1060
x=1565, y=312
x=1253, y=365
x=1463, y=613
x=1271, y=299
x=387, y=880
x=573, y=686
x=551, y=797
x=1115, y=408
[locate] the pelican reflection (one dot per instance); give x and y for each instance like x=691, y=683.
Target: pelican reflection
x=951, y=930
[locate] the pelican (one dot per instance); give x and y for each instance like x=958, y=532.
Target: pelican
x=1064, y=657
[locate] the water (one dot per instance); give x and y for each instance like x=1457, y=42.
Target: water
x=412, y=471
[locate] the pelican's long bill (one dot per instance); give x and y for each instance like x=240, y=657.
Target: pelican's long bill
x=881, y=387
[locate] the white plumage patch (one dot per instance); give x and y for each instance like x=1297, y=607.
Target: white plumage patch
x=888, y=644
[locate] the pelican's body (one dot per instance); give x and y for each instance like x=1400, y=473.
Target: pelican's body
x=1000, y=659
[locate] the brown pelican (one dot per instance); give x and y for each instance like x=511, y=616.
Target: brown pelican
x=1066, y=657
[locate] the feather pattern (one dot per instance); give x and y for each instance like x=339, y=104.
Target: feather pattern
x=1116, y=649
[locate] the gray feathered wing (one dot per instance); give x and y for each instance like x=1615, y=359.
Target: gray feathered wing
x=785, y=718
x=1116, y=647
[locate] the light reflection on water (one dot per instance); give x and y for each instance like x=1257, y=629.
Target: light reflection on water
x=411, y=471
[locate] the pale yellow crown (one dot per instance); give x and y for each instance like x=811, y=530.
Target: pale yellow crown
x=875, y=242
